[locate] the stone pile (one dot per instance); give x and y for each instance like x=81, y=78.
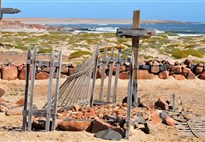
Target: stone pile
x=163, y=70
x=12, y=72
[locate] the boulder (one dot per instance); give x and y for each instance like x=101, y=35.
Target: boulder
x=144, y=74
x=191, y=75
x=163, y=75
x=64, y=70
x=160, y=104
x=155, y=69
x=14, y=111
x=99, y=125
x=9, y=73
x=121, y=69
x=176, y=69
x=155, y=119
x=179, y=77
x=2, y=92
x=22, y=74
x=75, y=125
x=124, y=75
x=198, y=69
x=20, y=102
x=108, y=134
x=188, y=62
x=202, y=75
x=71, y=71
x=170, y=121
x=42, y=75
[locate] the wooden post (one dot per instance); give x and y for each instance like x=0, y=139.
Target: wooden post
x=135, y=49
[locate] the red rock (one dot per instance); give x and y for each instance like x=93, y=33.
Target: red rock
x=79, y=115
x=155, y=118
x=198, y=70
x=160, y=104
x=176, y=69
x=99, y=74
x=42, y=75
x=191, y=75
x=2, y=92
x=188, y=62
x=163, y=75
x=179, y=77
x=9, y=73
x=47, y=69
x=144, y=74
x=124, y=75
x=155, y=69
x=186, y=70
x=64, y=70
x=202, y=75
x=14, y=111
x=99, y=125
x=71, y=71
x=19, y=68
x=22, y=75
x=121, y=69
x=20, y=102
x=75, y=108
x=170, y=121
x=74, y=125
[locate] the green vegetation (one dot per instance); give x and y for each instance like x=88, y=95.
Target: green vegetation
x=171, y=34
x=79, y=53
x=178, y=54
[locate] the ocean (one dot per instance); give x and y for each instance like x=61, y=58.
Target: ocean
x=183, y=29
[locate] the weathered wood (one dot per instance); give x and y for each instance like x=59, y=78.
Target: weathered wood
x=94, y=77
x=135, y=32
x=103, y=74
x=116, y=77
x=57, y=90
x=32, y=89
x=26, y=90
x=129, y=98
x=173, y=102
x=50, y=92
x=110, y=75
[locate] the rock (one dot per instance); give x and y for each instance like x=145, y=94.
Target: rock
x=162, y=68
x=71, y=71
x=148, y=104
x=75, y=108
x=47, y=69
x=191, y=75
x=124, y=75
x=109, y=134
x=20, y=102
x=176, y=63
x=202, y=75
x=119, y=130
x=179, y=77
x=14, y=111
x=121, y=69
x=188, y=62
x=144, y=74
x=163, y=75
x=2, y=92
x=74, y=125
x=99, y=125
x=198, y=69
x=151, y=129
x=170, y=121
x=155, y=69
x=185, y=70
x=144, y=67
x=155, y=119
x=176, y=69
x=42, y=75
x=64, y=70
x=99, y=74
x=9, y=73
x=22, y=75
x=160, y=104
x=163, y=115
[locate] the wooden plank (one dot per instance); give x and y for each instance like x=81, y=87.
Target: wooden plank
x=57, y=90
x=135, y=32
x=129, y=98
x=110, y=75
x=50, y=92
x=26, y=90
x=32, y=89
x=173, y=102
x=103, y=72
x=94, y=77
x=116, y=77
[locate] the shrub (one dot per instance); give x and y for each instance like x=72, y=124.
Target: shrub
x=178, y=54
x=79, y=53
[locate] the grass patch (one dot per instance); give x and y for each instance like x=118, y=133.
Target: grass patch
x=44, y=50
x=79, y=53
x=178, y=54
x=171, y=34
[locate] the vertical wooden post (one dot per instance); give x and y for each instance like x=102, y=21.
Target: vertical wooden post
x=135, y=49
x=173, y=101
x=26, y=89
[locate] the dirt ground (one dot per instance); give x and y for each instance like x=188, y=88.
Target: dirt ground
x=191, y=92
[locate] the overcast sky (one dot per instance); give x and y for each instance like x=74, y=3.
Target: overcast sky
x=181, y=10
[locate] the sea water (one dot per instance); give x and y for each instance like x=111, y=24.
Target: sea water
x=183, y=29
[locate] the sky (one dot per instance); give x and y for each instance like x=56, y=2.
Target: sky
x=180, y=10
